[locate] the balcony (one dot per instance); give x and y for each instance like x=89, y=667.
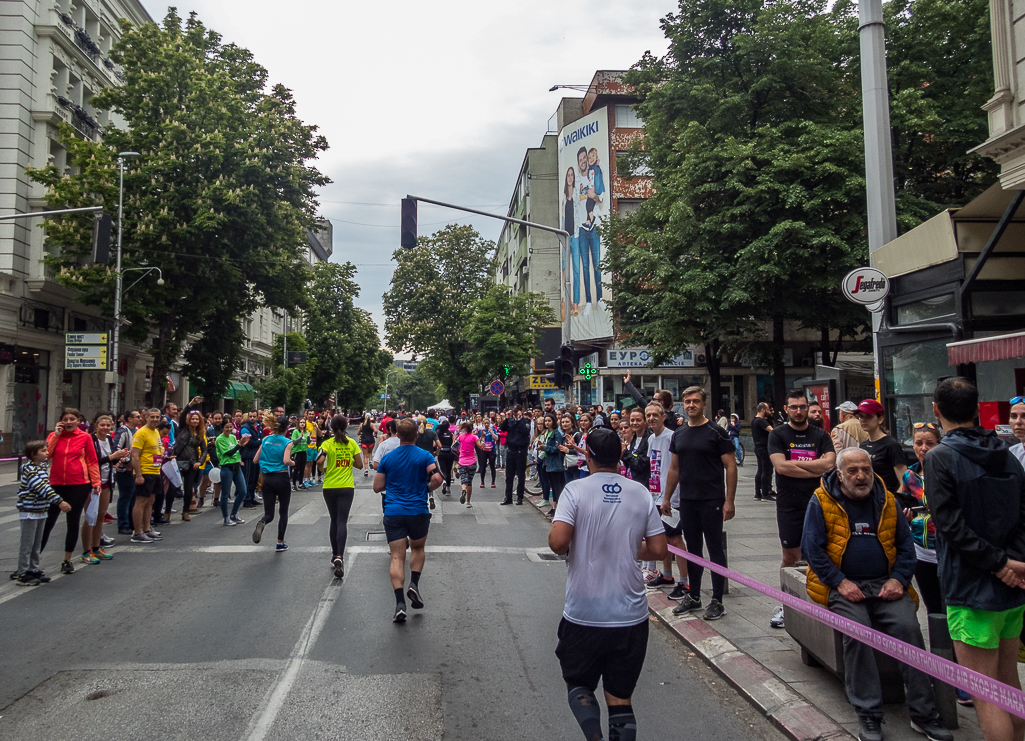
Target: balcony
x=58, y=108
x=61, y=27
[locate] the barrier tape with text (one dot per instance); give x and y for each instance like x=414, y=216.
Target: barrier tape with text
x=990, y=690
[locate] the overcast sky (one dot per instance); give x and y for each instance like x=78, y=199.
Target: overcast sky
x=437, y=99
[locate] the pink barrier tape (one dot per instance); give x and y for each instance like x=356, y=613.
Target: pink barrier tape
x=994, y=692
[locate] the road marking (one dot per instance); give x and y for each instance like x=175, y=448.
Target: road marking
x=309, y=513
x=260, y=726
x=9, y=518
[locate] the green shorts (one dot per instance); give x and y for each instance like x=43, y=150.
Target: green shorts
x=984, y=628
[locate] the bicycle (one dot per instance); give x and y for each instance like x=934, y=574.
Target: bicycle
x=531, y=481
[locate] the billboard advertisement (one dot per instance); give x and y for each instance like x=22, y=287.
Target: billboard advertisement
x=585, y=202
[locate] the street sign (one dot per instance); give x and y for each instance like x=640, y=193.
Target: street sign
x=866, y=286
x=497, y=387
x=85, y=338
x=385, y=396
x=296, y=357
x=474, y=401
x=539, y=382
x=86, y=351
x=85, y=364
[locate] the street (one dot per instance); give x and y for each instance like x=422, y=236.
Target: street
x=206, y=635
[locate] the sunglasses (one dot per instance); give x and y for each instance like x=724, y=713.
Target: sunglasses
x=1016, y=400
x=925, y=425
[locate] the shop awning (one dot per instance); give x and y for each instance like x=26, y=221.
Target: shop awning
x=1001, y=347
x=237, y=387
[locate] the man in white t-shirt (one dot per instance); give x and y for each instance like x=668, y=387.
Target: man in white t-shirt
x=389, y=441
x=605, y=523
x=661, y=457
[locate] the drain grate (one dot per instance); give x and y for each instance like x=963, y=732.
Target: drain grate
x=375, y=536
x=550, y=557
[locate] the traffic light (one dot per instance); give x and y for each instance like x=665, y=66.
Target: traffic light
x=562, y=367
x=101, y=238
x=407, y=237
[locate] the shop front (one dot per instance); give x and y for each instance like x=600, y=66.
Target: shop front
x=30, y=369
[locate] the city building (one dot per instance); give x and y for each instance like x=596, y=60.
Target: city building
x=55, y=58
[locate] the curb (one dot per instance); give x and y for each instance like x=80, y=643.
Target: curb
x=787, y=710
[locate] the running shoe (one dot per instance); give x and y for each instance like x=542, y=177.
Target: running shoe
x=67, y=567
x=400, y=613
x=281, y=547
x=258, y=532
x=141, y=538
x=870, y=729
x=28, y=581
x=103, y=555
x=964, y=699
x=492, y=484
x=481, y=484
x=469, y=506
x=106, y=542
x=714, y=611
x=647, y=574
x=678, y=592
x=88, y=557
x=339, y=567
x=125, y=531
x=933, y=729
x=154, y=535
x=228, y=522
x=366, y=473
x=776, y=621
x=238, y=520
x=687, y=604
x=769, y=498
x=43, y=578
x=430, y=501
x=758, y=497
x=14, y=576
x=462, y=498
x=658, y=581
x=414, y=597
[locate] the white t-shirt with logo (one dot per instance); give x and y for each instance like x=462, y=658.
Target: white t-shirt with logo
x=661, y=459
x=385, y=447
x=610, y=515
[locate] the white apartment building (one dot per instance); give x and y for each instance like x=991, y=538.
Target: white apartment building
x=53, y=60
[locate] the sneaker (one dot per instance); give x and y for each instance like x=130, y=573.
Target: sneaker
x=679, y=592
x=933, y=730
x=687, y=604
x=658, y=581
x=14, y=576
x=400, y=613
x=492, y=484
x=258, y=532
x=43, y=578
x=258, y=501
x=964, y=699
x=27, y=581
x=769, y=497
x=141, y=538
x=714, y=611
x=414, y=597
x=88, y=557
x=870, y=729
x=481, y=484
x=281, y=547
x=430, y=501
x=154, y=535
x=462, y=498
x=294, y=487
x=102, y=555
x=228, y=522
x=758, y=497
x=339, y=567
x=505, y=502
x=106, y=542
x=366, y=473
x=469, y=506
x=67, y=568
x=238, y=520
x=776, y=621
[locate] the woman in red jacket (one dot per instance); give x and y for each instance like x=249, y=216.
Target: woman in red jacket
x=74, y=474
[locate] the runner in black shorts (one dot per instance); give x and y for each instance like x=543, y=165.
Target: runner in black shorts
x=800, y=454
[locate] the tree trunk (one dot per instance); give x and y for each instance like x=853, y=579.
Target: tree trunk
x=163, y=356
x=713, y=364
x=825, y=347
x=779, y=373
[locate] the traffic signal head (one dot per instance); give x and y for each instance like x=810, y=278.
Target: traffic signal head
x=101, y=238
x=565, y=367
x=407, y=237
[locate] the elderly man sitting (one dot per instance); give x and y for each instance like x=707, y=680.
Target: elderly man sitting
x=861, y=559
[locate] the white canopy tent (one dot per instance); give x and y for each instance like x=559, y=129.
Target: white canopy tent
x=443, y=404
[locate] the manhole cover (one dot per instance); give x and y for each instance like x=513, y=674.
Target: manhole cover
x=375, y=536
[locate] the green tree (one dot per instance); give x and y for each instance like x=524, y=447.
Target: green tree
x=501, y=330
x=343, y=338
x=430, y=290
x=287, y=387
x=219, y=199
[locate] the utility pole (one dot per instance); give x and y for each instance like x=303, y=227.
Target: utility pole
x=882, y=209
x=115, y=345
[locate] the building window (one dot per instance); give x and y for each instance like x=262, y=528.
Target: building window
x=627, y=206
x=627, y=118
x=929, y=308
x=640, y=168
x=997, y=303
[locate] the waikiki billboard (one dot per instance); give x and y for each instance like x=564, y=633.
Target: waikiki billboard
x=585, y=199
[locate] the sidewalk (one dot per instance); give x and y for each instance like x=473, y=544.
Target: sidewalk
x=764, y=664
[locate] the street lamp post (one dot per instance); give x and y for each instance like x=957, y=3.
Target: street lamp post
x=117, y=288
x=387, y=375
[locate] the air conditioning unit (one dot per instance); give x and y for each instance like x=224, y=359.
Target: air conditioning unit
x=700, y=359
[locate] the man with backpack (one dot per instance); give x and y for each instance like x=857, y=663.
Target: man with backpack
x=977, y=501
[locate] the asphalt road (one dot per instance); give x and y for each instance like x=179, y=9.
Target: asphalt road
x=206, y=635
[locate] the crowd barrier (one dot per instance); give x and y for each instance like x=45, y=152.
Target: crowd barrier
x=978, y=685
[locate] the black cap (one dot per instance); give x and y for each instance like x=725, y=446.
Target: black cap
x=282, y=421
x=604, y=445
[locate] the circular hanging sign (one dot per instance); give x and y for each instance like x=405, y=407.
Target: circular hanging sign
x=866, y=286
x=497, y=387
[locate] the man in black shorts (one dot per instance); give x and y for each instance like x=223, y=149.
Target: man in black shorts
x=800, y=453
x=605, y=522
x=705, y=455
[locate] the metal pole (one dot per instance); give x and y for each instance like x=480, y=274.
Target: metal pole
x=284, y=343
x=117, y=286
x=882, y=209
x=58, y=212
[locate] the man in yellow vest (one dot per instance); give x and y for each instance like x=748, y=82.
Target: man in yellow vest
x=861, y=558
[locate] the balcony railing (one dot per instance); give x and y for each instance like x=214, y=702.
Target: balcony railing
x=81, y=39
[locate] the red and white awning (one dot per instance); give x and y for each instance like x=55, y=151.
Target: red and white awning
x=1001, y=347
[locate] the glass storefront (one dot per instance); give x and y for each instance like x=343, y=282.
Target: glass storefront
x=912, y=372
x=31, y=377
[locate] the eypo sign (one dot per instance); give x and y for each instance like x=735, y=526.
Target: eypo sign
x=866, y=286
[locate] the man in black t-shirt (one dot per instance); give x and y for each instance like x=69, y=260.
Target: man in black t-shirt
x=761, y=426
x=705, y=453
